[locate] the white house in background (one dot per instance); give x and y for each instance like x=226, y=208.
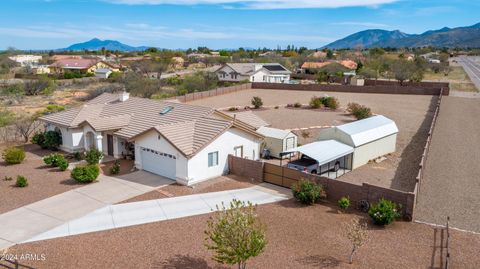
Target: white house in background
x=370, y=138
x=254, y=72
x=26, y=59
x=103, y=72
x=182, y=142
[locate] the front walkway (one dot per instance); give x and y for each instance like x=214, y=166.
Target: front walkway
x=128, y=214
x=25, y=222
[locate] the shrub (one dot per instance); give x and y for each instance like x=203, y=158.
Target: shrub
x=359, y=111
x=53, y=109
x=93, y=156
x=316, y=102
x=257, y=102
x=306, y=191
x=276, y=107
x=78, y=156
x=53, y=159
x=39, y=139
x=53, y=140
x=8, y=178
x=330, y=102
x=344, y=202
x=62, y=164
x=115, y=169
x=85, y=174
x=13, y=155
x=297, y=105
x=21, y=182
x=384, y=212
x=233, y=108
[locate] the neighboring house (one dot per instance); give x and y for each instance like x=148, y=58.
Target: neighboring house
x=40, y=69
x=349, y=64
x=254, y=72
x=103, y=73
x=26, y=59
x=370, y=138
x=81, y=65
x=278, y=140
x=182, y=142
x=250, y=118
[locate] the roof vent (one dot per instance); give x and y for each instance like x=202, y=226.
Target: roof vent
x=124, y=96
x=166, y=110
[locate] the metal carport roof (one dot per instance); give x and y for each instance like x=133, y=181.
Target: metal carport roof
x=324, y=151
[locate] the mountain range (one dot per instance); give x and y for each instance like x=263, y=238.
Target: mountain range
x=97, y=44
x=462, y=37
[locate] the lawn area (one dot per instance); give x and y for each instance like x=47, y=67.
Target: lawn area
x=412, y=114
x=298, y=237
x=43, y=181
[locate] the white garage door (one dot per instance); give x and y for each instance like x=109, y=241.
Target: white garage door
x=159, y=163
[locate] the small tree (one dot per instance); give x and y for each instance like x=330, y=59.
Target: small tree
x=357, y=233
x=257, y=102
x=235, y=234
x=25, y=125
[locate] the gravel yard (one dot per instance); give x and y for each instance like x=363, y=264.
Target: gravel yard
x=43, y=181
x=298, y=237
x=412, y=114
x=450, y=186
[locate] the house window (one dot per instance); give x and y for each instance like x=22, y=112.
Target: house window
x=213, y=159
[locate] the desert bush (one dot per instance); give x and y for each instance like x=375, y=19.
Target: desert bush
x=93, y=156
x=306, y=191
x=21, y=182
x=13, y=155
x=85, y=174
x=6, y=117
x=359, y=111
x=233, y=108
x=44, y=85
x=330, y=102
x=344, y=202
x=316, y=102
x=56, y=160
x=257, y=102
x=53, y=109
x=384, y=212
x=62, y=164
x=8, y=178
x=115, y=169
x=297, y=105
x=276, y=107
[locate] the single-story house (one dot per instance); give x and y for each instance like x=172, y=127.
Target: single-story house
x=26, y=59
x=103, y=72
x=277, y=141
x=370, y=138
x=81, y=65
x=254, y=72
x=182, y=142
x=348, y=64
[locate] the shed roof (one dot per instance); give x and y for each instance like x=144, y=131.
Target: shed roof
x=369, y=129
x=324, y=151
x=250, y=118
x=273, y=132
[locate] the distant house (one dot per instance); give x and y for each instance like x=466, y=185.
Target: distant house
x=103, y=72
x=177, y=63
x=81, y=65
x=349, y=64
x=254, y=72
x=319, y=54
x=40, y=69
x=26, y=60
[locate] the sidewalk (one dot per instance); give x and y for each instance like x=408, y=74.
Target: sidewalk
x=25, y=222
x=123, y=215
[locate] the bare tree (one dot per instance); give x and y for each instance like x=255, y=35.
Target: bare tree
x=357, y=233
x=25, y=125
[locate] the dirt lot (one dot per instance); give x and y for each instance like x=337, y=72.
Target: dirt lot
x=298, y=237
x=451, y=183
x=412, y=113
x=43, y=181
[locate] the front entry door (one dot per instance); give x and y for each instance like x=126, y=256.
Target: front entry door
x=110, y=145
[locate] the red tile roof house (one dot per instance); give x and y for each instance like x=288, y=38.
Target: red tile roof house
x=182, y=142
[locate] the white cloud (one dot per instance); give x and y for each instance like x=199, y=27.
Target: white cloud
x=262, y=4
x=364, y=24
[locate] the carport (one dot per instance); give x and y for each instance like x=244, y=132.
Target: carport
x=325, y=152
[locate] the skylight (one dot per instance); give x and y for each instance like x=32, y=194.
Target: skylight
x=166, y=110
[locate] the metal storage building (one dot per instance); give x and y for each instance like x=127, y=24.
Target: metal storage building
x=278, y=140
x=371, y=138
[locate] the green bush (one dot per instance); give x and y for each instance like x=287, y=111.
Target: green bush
x=316, y=102
x=21, y=182
x=62, y=164
x=93, y=156
x=39, y=139
x=47, y=140
x=53, y=159
x=78, y=156
x=53, y=109
x=330, y=102
x=384, y=212
x=257, y=102
x=306, y=191
x=115, y=169
x=359, y=111
x=297, y=105
x=85, y=174
x=344, y=202
x=13, y=155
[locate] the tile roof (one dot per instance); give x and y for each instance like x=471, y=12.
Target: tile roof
x=249, y=118
x=187, y=127
x=346, y=63
x=75, y=63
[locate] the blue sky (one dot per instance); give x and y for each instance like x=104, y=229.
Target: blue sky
x=50, y=24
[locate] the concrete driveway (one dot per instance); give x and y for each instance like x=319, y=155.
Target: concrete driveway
x=128, y=214
x=25, y=222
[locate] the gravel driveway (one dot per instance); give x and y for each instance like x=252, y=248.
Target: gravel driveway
x=451, y=186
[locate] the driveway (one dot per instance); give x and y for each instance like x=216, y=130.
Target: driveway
x=128, y=214
x=25, y=222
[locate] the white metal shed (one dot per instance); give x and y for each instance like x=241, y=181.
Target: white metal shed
x=278, y=140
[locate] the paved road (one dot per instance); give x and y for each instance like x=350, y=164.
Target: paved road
x=451, y=185
x=25, y=222
x=472, y=68
x=128, y=214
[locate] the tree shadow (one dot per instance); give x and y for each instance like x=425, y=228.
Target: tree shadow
x=71, y=182
x=407, y=170
x=319, y=261
x=184, y=262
